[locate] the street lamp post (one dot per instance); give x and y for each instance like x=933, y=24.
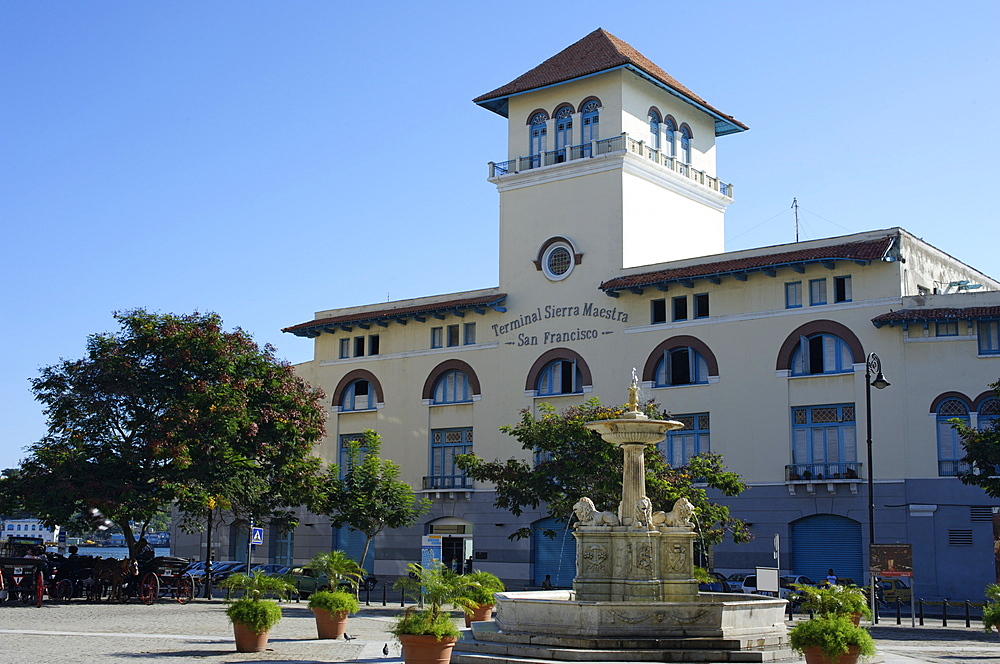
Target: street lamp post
x=873, y=367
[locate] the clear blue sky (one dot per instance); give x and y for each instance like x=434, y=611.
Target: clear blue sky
x=266, y=160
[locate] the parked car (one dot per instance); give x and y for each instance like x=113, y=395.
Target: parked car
x=271, y=569
x=893, y=589
x=718, y=585
x=736, y=581
x=307, y=581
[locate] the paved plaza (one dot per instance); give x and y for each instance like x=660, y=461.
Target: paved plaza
x=78, y=632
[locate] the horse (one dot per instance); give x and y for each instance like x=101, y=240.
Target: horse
x=115, y=573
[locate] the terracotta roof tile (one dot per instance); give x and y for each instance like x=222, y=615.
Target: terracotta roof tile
x=867, y=250
x=599, y=51
x=314, y=327
x=940, y=313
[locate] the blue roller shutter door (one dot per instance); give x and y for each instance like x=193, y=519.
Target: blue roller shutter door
x=827, y=541
x=352, y=542
x=556, y=557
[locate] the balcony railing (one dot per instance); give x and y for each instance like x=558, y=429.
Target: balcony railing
x=447, y=482
x=823, y=472
x=608, y=146
x=952, y=468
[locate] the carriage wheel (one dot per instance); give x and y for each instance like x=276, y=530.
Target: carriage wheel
x=64, y=590
x=183, y=588
x=149, y=588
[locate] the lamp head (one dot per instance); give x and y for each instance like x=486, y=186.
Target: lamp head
x=880, y=382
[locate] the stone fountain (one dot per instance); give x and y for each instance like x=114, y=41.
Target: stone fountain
x=635, y=590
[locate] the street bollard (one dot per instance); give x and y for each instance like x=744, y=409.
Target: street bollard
x=921, y=603
x=944, y=612
x=968, y=614
x=385, y=586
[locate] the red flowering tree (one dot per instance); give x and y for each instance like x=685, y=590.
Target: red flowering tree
x=169, y=410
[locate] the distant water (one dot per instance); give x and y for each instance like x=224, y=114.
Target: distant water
x=113, y=551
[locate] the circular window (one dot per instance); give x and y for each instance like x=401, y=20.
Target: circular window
x=557, y=262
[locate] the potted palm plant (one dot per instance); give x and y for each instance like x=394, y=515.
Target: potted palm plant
x=252, y=615
x=835, y=600
x=479, y=589
x=428, y=635
x=332, y=607
x=831, y=639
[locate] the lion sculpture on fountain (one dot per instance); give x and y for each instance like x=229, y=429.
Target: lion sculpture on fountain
x=588, y=515
x=678, y=517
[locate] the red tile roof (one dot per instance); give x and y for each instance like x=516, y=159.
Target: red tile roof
x=940, y=313
x=314, y=328
x=863, y=251
x=599, y=51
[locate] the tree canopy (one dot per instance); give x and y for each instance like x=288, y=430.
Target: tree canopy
x=982, y=453
x=570, y=461
x=366, y=493
x=170, y=409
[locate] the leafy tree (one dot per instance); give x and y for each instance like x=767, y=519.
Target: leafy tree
x=171, y=409
x=571, y=461
x=982, y=453
x=366, y=494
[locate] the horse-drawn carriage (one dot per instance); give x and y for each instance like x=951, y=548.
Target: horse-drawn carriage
x=164, y=576
x=22, y=571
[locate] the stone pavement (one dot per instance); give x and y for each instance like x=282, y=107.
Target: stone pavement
x=77, y=632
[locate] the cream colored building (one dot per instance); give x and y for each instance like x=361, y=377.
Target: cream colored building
x=611, y=257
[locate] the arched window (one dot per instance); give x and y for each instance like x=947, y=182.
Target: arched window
x=538, y=130
x=822, y=354
x=359, y=395
x=560, y=377
x=681, y=366
x=669, y=129
x=685, y=145
x=989, y=413
x=949, y=443
x=590, y=119
x=452, y=387
x=654, y=129
x=564, y=132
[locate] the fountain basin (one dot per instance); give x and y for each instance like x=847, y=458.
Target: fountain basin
x=753, y=619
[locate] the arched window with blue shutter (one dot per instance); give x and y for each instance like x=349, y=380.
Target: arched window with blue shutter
x=452, y=387
x=537, y=138
x=949, y=443
x=564, y=132
x=590, y=121
x=359, y=395
x=654, y=129
x=681, y=366
x=560, y=377
x=686, y=145
x=822, y=354
x=669, y=133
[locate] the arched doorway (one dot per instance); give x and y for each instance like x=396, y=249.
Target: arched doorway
x=826, y=541
x=553, y=556
x=456, y=542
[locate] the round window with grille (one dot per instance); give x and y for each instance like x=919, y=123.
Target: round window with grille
x=557, y=262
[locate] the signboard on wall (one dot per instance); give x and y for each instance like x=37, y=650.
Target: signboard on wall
x=891, y=559
x=430, y=549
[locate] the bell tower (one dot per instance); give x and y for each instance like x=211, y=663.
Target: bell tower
x=610, y=160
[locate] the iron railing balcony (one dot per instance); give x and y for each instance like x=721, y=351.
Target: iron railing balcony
x=605, y=146
x=447, y=482
x=842, y=471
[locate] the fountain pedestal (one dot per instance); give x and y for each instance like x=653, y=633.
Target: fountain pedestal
x=617, y=564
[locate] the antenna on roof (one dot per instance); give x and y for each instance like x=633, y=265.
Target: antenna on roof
x=795, y=206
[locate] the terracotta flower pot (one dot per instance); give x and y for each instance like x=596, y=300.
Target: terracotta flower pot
x=856, y=618
x=484, y=612
x=249, y=641
x=330, y=625
x=423, y=649
x=815, y=656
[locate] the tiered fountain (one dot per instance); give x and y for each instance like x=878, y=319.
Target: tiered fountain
x=635, y=596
